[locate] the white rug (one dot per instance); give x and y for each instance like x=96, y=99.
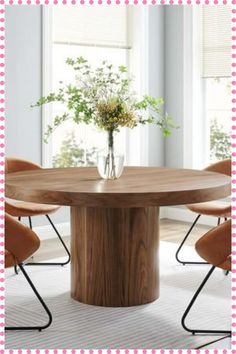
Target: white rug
x=156, y=325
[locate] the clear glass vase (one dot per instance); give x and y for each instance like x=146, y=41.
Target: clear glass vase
x=110, y=164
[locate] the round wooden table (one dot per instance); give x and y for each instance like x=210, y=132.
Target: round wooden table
x=115, y=224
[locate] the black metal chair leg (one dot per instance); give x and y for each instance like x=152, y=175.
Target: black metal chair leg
x=60, y=238
x=15, y=266
x=39, y=328
x=182, y=243
x=194, y=331
x=15, y=269
x=30, y=222
x=63, y=244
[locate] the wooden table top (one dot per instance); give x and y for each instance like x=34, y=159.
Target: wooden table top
x=137, y=187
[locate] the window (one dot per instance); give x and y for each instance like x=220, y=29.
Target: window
x=207, y=72
x=217, y=108
x=97, y=33
x=216, y=73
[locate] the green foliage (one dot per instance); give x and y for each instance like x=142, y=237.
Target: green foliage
x=103, y=97
x=72, y=155
x=219, y=142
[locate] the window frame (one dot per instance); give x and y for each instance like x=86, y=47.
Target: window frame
x=195, y=142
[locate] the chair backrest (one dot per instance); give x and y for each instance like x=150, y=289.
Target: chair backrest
x=223, y=167
x=215, y=246
x=20, y=241
x=13, y=164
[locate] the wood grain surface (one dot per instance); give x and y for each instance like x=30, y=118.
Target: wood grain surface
x=115, y=223
x=137, y=187
x=114, y=260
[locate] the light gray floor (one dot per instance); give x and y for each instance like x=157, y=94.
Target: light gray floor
x=156, y=325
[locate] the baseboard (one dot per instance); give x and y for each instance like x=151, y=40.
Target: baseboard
x=46, y=232
x=183, y=214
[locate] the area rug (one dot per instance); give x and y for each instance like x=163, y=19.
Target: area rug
x=156, y=325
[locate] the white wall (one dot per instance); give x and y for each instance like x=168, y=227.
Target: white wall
x=23, y=81
x=24, y=87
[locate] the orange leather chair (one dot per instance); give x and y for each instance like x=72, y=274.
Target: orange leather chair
x=215, y=248
x=20, y=243
x=216, y=208
x=26, y=209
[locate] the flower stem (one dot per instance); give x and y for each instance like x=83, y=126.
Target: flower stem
x=110, y=157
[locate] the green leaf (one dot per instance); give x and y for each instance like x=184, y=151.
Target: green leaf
x=103, y=96
x=122, y=69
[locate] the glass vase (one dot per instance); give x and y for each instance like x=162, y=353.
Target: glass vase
x=110, y=164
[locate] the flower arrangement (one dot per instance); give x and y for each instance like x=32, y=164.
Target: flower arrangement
x=103, y=97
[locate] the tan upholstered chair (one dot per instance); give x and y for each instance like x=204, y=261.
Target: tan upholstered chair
x=26, y=209
x=20, y=243
x=215, y=248
x=216, y=209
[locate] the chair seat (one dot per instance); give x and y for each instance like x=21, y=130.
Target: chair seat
x=29, y=209
x=218, y=209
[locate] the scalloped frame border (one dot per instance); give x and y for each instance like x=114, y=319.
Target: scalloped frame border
x=2, y=150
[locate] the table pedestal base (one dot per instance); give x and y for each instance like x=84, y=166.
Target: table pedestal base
x=114, y=255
